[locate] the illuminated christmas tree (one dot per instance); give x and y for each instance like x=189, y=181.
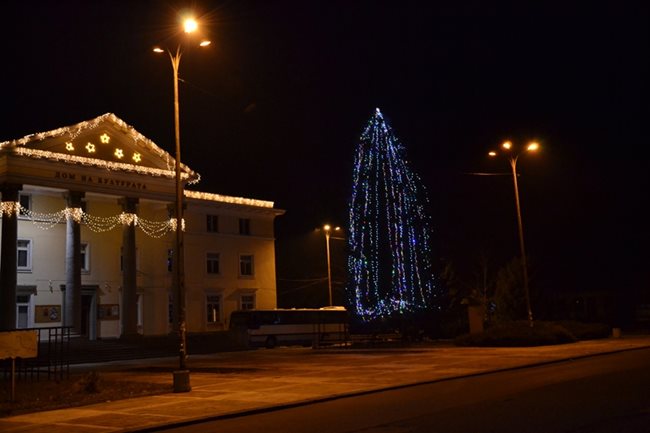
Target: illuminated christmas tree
x=389, y=261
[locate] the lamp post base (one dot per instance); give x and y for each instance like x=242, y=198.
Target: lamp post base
x=182, y=381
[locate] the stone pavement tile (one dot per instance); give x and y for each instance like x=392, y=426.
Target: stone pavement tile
x=121, y=420
x=13, y=427
x=180, y=410
x=291, y=375
x=58, y=415
x=125, y=405
x=207, y=408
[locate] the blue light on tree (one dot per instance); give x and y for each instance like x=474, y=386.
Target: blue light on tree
x=389, y=261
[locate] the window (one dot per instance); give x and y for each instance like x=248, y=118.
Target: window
x=24, y=247
x=244, y=226
x=213, y=303
x=212, y=223
x=212, y=260
x=22, y=316
x=247, y=302
x=85, y=258
x=25, y=203
x=246, y=265
x=23, y=305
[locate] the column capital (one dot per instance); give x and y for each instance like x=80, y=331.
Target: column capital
x=74, y=198
x=129, y=204
x=10, y=191
x=171, y=209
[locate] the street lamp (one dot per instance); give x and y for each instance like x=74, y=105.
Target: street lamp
x=327, y=228
x=513, y=156
x=182, y=376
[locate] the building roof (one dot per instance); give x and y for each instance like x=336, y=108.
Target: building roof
x=105, y=141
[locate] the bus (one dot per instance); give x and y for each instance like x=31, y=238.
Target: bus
x=296, y=326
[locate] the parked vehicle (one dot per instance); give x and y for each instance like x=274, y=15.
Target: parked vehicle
x=297, y=326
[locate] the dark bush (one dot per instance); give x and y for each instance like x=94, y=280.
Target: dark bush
x=518, y=334
x=586, y=331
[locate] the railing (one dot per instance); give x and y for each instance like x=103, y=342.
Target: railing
x=52, y=361
x=328, y=334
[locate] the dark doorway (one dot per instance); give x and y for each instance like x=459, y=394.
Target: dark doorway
x=88, y=325
x=86, y=305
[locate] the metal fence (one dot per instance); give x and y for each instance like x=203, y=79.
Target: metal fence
x=52, y=361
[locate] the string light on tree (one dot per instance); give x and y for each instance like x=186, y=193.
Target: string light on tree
x=390, y=257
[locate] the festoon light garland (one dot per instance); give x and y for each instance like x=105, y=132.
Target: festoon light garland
x=98, y=224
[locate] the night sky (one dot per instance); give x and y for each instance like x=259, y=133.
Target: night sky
x=274, y=109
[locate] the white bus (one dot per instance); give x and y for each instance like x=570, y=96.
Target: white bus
x=297, y=326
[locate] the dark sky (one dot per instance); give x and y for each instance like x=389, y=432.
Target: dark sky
x=275, y=108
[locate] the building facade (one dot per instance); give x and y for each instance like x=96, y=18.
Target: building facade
x=88, y=240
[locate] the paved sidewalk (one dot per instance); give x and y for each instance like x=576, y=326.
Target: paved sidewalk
x=237, y=383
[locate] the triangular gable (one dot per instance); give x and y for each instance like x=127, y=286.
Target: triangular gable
x=105, y=141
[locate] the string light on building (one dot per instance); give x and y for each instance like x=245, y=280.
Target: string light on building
x=72, y=132
x=76, y=213
x=100, y=224
x=100, y=163
x=10, y=208
x=228, y=199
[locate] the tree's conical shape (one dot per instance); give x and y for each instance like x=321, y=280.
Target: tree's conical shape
x=389, y=260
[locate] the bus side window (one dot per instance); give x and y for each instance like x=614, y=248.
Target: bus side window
x=254, y=321
x=266, y=318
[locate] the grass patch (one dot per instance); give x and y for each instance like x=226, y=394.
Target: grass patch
x=79, y=390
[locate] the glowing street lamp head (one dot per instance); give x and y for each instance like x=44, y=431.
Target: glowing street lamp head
x=492, y=153
x=158, y=50
x=190, y=25
x=327, y=227
x=507, y=145
x=532, y=146
x=205, y=43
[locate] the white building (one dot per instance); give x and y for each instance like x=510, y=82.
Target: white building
x=88, y=237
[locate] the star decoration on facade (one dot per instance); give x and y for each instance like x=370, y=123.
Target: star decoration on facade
x=105, y=138
x=90, y=147
x=119, y=153
x=69, y=147
x=137, y=157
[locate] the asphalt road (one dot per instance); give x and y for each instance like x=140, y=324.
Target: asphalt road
x=606, y=393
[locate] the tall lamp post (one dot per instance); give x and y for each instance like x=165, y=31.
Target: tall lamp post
x=328, y=229
x=182, y=375
x=513, y=156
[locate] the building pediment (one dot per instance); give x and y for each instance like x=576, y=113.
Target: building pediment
x=105, y=141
